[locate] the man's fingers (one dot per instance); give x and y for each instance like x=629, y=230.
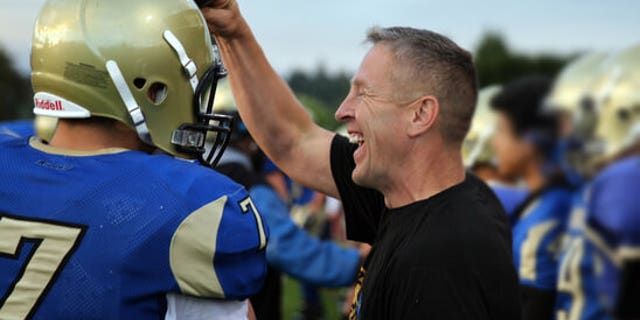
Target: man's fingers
x=218, y=4
x=222, y=22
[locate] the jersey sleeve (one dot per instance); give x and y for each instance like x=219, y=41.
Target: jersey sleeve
x=613, y=212
x=218, y=250
x=362, y=206
x=295, y=252
x=613, y=228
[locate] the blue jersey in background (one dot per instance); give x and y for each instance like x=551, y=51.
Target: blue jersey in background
x=613, y=225
x=537, y=233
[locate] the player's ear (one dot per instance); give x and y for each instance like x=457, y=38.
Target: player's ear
x=424, y=113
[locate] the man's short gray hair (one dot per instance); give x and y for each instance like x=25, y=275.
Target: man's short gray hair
x=437, y=66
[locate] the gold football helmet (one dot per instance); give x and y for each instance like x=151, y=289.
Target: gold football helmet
x=148, y=64
x=571, y=86
x=573, y=99
x=618, y=101
x=476, y=146
x=224, y=98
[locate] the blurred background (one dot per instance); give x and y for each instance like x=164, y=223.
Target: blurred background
x=317, y=46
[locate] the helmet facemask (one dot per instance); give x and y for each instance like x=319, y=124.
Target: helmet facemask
x=209, y=136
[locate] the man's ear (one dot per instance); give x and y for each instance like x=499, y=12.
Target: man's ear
x=424, y=111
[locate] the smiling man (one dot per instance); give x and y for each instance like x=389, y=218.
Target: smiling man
x=441, y=241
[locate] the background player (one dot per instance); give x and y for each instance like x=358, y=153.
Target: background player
x=573, y=99
x=613, y=209
x=479, y=157
x=525, y=144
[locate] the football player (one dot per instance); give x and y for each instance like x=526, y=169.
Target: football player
x=573, y=100
x=479, y=157
x=115, y=217
x=524, y=144
x=613, y=210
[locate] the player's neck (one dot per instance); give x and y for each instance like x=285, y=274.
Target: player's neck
x=533, y=177
x=87, y=136
x=423, y=176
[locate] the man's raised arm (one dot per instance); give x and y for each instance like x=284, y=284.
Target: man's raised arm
x=273, y=115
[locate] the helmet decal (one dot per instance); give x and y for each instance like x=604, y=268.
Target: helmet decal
x=47, y=104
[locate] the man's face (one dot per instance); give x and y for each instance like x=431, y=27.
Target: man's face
x=512, y=152
x=374, y=119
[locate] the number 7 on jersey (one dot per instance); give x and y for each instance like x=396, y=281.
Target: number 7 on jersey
x=54, y=245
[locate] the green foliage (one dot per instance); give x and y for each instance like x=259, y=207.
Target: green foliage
x=15, y=91
x=497, y=64
x=320, y=112
x=330, y=89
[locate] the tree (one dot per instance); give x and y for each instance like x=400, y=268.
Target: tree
x=321, y=114
x=497, y=64
x=15, y=91
x=330, y=89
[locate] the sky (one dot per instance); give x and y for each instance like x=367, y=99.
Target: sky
x=299, y=34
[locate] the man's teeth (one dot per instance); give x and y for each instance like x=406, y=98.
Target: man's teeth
x=356, y=139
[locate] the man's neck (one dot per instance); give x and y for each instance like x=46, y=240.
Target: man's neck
x=90, y=137
x=422, y=176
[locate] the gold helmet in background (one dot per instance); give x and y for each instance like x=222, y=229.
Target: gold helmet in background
x=148, y=64
x=573, y=100
x=224, y=98
x=571, y=86
x=476, y=146
x=618, y=102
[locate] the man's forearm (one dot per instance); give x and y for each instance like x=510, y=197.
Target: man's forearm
x=273, y=115
x=266, y=104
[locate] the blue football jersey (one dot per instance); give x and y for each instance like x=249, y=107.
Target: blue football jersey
x=510, y=197
x=577, y=298
x=537, y=234
x=18, y=128
x=613, y=224
x=108, y=235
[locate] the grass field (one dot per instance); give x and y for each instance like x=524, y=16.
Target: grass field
x=292, y=301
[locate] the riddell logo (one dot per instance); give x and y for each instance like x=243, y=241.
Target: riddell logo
x=49, y=105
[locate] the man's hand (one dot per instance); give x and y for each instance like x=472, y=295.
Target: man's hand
x=223, y=18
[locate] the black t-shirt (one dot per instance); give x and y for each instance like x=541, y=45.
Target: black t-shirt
x=447, y=257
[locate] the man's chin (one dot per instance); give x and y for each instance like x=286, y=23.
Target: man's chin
x=361, y=179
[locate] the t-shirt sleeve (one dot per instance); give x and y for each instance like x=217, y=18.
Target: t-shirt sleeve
x=362, y=206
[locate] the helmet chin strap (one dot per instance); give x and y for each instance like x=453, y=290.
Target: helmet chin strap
x=188, y=65
x=130, y=102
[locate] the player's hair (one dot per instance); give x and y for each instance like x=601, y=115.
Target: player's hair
x=521, y=101
x=440, y=68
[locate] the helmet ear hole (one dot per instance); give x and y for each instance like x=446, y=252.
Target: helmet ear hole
x=624, y=114
x=157, y=92
x=139, y=83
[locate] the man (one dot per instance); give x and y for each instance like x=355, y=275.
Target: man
x=441, y=240
x=92, y=224
x=525, y=149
